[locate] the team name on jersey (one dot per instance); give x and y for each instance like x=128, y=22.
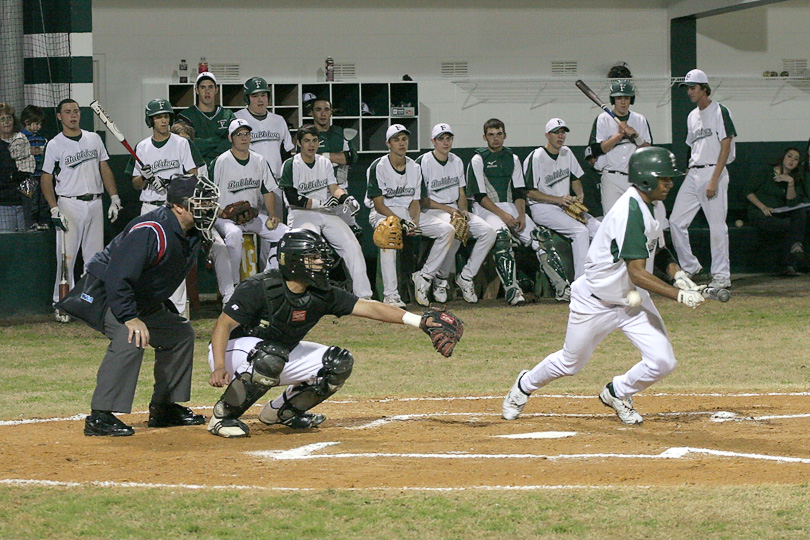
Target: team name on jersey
x=557, y=176
x=702, y=133
x=235, y=186
x=80, y=157
x=260, y=136
x=399, y=192
x=309, y=187
x=165, y=165
x=443, y=183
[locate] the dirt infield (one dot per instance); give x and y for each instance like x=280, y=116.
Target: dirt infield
x=457, y=443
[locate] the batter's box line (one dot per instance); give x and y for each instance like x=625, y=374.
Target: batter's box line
x=308, y=452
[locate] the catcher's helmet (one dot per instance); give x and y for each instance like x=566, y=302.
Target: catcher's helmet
x=200, y=195
x=297, y=252
x=254, y=85
x=622, y=87
x=156, y=107
x=650, y=163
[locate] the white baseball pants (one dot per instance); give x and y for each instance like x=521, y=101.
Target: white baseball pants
x=232, y=235
x=484, y=236
x=85, y=229
x=613, y=186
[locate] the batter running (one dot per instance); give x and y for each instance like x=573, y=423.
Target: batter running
x=620, y=260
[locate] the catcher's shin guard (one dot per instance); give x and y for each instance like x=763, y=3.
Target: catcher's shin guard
x=505, y=259
x=268, y=361
x=337, y=367
x=550, y=263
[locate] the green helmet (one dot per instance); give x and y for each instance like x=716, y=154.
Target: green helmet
x=156, y=107
x=650, y=163
x=622, y=87
x=254, y=85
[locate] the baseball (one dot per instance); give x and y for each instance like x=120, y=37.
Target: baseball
x=633, y=298
x=738, y=223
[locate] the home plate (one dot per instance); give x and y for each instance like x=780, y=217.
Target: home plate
x=540, y=435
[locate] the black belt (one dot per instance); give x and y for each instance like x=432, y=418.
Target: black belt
x=86, y=198
x=702, y=166
x=618, y=172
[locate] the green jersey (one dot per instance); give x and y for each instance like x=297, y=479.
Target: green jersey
x=495, y=174
x=332, y=141
x=211, y=137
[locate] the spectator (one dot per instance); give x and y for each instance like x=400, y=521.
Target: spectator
x=771, y=194
x=16, y=164
x=37, y=213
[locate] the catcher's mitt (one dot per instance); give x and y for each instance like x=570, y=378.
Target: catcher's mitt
x=388, y=233
x=575, y=210
x=445, y=336
x=462, y=227
x=239, y=212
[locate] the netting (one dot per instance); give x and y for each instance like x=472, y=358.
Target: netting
x=47, y=56
x=11, y=59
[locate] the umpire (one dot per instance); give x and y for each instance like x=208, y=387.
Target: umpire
x=140, y=269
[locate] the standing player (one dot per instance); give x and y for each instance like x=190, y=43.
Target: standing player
x=243, y=175
x=710, y=136
x=209, y=120
x=78, y=160
x=615, y=143
x=551, y=172
x=394, y=190
x=495, y=179
x=338, y=149
x=164, y=155
x=257, y=342
x=270, y=136
x=621, y=258
x=443, y=196
x=313, y=194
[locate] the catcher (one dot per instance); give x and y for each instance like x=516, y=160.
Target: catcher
x=552, y=172
x=257, y=342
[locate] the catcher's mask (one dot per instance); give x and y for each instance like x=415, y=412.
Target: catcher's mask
x=304, y=256
x=200, y=196
x=650, y=163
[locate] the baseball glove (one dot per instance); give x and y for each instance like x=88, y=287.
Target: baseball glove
x=462, y=227
x=447, y=335
x=575, y=210
x=388, y=234
x=240, y=212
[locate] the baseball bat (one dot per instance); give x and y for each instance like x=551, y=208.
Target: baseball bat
x=599, y=103
x=113, y=128
x=722, y=295
x=64, y=286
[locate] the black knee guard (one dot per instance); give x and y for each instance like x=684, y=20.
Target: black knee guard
x=337, y=367
x=268, y=361
x=504, y=259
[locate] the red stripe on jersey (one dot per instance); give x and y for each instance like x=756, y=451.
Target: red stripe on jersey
x=159, y=232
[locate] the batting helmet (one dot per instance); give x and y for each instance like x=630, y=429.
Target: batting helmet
x=650, y=163
x=622, y=87
x=156, y=107
x=253, y=86
x=297, y=252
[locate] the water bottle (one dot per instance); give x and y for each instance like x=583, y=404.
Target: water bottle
x=183, y=70
x=330, y=69
x=203, y=67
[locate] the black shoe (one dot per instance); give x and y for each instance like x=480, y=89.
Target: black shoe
x=305, y=420
x=105, y=424
x=172, y=414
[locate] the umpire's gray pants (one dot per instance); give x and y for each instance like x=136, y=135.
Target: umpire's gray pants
x=172, y=336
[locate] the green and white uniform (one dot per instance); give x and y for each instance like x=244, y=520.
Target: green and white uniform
x=312, y=181
x=211, y=131
x=629, y=231
x=333, y=141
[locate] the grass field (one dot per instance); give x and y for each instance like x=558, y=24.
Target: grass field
x=758, y=342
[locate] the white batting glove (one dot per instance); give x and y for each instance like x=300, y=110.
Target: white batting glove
x=352, y=204
x=683, y=282
x=147, y=174
x=58, y=220
x=691, y=298
x=115, y=207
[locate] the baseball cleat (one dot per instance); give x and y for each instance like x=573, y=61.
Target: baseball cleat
x=718, y=282
x=230, y=428
x=394, y=300
x=440, y=290
x=467, y=289
x=105, y=424
x=305, y=420
x=623, y=407
x=515, y=400
x=421, y=286
x=171, y=414
x=515, y=297
x=61, y=316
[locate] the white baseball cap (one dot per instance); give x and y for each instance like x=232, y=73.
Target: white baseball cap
x=438, y=129
x=206, y=75
x=395, y=130
x=556, y=124
x=236, y=124
x=309, y=96
x=694, y=77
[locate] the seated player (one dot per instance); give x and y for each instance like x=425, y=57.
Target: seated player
x=257, y=342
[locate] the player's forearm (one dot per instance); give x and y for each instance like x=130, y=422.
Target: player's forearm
x=647, y=281
x=380, y=208
x=138, y=182
x=219, y=342
x=576, y=186
x=371, y=309
x=46, y=185
x=108, y=178
x=338, y=158
x=414, y=210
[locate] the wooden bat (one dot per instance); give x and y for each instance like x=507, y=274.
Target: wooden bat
x=64, y=286
x=107, y=121
x=599, y=103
